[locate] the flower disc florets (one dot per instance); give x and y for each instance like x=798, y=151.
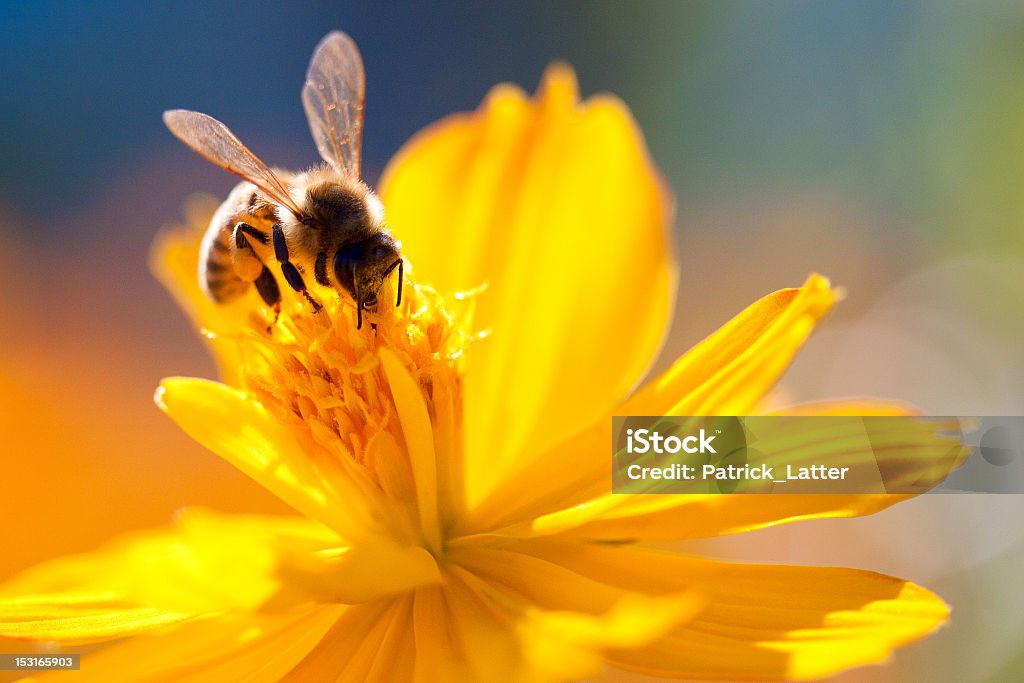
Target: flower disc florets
x=324, y=380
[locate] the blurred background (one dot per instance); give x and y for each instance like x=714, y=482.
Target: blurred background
x=879, y=143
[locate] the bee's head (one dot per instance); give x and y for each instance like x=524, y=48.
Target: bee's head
x=362, y=268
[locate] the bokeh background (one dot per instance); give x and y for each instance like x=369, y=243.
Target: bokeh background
x=879, y=143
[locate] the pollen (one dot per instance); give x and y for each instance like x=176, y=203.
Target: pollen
x=323, y=377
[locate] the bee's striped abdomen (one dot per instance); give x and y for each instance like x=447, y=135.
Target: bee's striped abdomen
x=217, y=269
x=228, y=261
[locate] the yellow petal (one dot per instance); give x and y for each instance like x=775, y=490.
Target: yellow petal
x=540, y=582
x=703, y=516
x=556, y=588
x=392, y=657
x=252, y=648
x=570, y=645
x=556, y=207
x=204, y=563
x=485, y=645
x=71, y=619
x=369, y=643
x=726, y=374
x=373, y=568
x=912, y=454
x=419, y=442
x=369, y=562
x=730, y=371
x=563, y=635
x=245, y=434
x=762, y=622
x=436, y=658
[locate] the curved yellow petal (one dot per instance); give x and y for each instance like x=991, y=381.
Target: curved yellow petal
x=375, y=567
x=204, y=564
x=74, y=619
x=556, y=207
x=569, y=645
x=681, y=517
x=485, y=647
x=900, y=454
x=419, y=442
x=729, y=372
x=761, y=622
x=437, y=657
x=726, y=374
x=557, y=588
x=256, y=648
x=241, y=431
x=369, y=643
x=558, y=632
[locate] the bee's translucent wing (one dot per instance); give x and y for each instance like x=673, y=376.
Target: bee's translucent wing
x=334, y=96
x=211, y=139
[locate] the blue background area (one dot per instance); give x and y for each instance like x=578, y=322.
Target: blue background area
x=727, y=93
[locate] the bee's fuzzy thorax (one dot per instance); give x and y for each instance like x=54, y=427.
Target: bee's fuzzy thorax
x=309, y=188
x=336, y=210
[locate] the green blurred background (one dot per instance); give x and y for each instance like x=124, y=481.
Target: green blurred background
x=879, y=143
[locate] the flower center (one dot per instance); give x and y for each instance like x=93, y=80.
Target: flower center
x=323, y=377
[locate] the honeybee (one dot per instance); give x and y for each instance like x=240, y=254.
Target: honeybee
x=324, y=221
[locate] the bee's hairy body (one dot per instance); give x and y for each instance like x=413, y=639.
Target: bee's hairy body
x=226, y=270
x=339, y=241
x=323, y=225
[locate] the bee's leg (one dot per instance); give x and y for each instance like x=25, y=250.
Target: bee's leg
x=244, y=258
x=266, y=285
x=256, y=234
x=401, y=268
x=291, y=274
x=280, y=244
x=294, y=278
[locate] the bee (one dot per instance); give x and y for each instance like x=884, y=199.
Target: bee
x=323, y=222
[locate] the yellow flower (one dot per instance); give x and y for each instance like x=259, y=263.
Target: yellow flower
x=451, y=466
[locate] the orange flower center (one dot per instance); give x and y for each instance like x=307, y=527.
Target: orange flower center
x=320, y=375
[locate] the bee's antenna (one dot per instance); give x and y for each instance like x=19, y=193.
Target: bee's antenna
x=401, y=264
x=359, y=315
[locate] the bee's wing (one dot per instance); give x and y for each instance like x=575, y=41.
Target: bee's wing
x=333, y=96
x=211, y=139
